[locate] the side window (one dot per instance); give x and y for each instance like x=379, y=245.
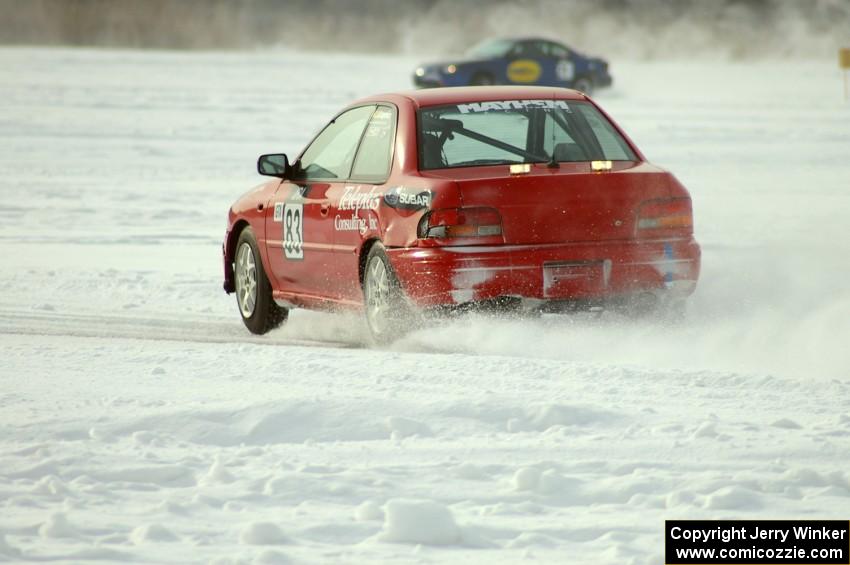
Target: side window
x=558, y=51
x=376, y=149
x=528, y=49
x=332, y=152
x=522, y=49
x=539, y=49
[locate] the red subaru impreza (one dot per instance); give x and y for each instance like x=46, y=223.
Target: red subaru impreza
x=517, y=197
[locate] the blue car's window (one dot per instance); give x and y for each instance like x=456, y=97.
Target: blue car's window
x=531, y=49
x=557, y=51
x=517, y=131
x=490, y=49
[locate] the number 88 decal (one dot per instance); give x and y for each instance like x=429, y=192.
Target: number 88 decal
x=293, y=231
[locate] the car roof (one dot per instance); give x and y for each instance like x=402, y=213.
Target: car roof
x=517, y=38
x=533, y=38
x=467, y=94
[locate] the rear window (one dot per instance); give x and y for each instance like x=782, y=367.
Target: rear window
x=517, y=131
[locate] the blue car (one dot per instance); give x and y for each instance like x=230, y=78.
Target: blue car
x=518, y=61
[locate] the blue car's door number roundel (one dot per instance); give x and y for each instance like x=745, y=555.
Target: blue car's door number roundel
x=565, y=70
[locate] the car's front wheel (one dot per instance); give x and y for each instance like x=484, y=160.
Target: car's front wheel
x=388, y=314
x=253, y=290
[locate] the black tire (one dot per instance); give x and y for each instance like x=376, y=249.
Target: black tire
x=482, y=79
x=583, y=84
x=389, y=315
x=253, y=290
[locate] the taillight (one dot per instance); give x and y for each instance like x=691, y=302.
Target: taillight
x=674, y=213
x=461, y=222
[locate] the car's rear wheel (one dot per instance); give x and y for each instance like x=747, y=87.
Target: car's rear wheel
x=388, y=313
x=583, y=84
x=253, y=290
x=482, y=79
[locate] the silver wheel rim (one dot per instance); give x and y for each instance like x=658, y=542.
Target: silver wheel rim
x=378, y=300
x=246, y=280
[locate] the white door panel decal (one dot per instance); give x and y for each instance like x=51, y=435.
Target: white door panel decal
x=293, y=230
x=565, y=70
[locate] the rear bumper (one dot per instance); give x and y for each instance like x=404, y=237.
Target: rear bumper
x=550, y=272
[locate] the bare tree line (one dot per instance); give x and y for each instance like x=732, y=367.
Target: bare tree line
x=737, y=28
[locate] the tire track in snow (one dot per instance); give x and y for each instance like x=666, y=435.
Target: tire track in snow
x=25, y=322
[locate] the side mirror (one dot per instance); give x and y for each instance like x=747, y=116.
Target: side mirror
x=274, y=165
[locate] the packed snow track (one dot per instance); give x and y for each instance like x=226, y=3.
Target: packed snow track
x=140, y=421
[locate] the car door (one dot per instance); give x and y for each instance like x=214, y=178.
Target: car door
x=528, y=64
x=354, y=206
x=564, y=70
x=301, y=256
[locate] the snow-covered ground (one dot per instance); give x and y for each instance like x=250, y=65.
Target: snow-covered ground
x=139, y=421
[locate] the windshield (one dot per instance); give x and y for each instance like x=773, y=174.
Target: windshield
x=517, y=131
x=490, y=48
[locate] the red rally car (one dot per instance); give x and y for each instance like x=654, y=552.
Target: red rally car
x=526, y=197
